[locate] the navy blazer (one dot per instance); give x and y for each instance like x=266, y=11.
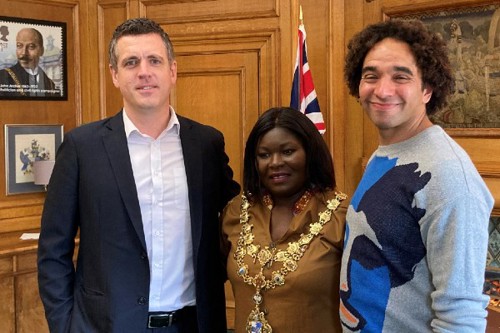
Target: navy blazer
x=92, y=190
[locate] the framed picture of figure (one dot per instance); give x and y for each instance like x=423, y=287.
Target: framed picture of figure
x=24, y=145
x=32, y=59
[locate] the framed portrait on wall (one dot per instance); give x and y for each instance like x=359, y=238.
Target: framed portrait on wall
x=32, y=59
x=24, y=145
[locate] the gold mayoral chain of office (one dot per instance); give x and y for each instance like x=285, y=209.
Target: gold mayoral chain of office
x=268, y=255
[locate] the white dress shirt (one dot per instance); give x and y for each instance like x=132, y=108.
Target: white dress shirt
x=160, y=178
x=36, y=85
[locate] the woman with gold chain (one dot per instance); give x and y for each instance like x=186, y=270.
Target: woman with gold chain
x=284, y=235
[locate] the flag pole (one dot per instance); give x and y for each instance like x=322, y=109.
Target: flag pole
x=301, y=20
x=303, y=95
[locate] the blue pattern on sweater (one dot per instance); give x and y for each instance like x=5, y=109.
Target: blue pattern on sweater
x=385, y=197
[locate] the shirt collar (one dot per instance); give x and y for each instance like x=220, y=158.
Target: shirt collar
x=173, y=125
x=32, y=71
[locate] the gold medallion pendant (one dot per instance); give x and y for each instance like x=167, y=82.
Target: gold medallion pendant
x=266, y=256
x=257, y=323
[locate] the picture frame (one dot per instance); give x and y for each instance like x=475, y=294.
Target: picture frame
x=19, y=50
x=25, y=144
x=493, y=260
x=471, y=34
x=491, y=285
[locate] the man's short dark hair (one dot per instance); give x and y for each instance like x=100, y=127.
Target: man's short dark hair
x=138, y=26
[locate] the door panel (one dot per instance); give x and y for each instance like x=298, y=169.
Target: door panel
x=222, y=91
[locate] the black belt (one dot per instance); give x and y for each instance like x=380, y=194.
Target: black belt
x=165, y=319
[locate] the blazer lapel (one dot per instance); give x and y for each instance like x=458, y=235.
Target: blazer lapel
x=193, y=163
x=116, y=146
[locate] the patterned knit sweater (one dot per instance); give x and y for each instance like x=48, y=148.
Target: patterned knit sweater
x=416, y=241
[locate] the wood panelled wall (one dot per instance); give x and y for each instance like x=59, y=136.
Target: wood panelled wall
x=235, y=60
x=22, y=211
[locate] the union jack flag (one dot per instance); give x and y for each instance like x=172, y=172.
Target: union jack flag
x=304, y=96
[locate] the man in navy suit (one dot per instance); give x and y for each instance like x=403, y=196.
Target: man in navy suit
x=144, y=189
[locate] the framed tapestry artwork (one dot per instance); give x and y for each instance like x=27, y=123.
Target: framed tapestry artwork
x=473, y=38
x=25, y=144
x=32, y=59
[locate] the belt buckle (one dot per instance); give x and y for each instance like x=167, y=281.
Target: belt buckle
x=169, y=315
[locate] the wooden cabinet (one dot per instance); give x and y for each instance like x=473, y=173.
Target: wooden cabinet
x=7, y=306
x=21, y=309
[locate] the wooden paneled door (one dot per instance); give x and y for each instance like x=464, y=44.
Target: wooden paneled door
x=221, y=90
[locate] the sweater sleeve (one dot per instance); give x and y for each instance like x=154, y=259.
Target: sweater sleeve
x=456, y=242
